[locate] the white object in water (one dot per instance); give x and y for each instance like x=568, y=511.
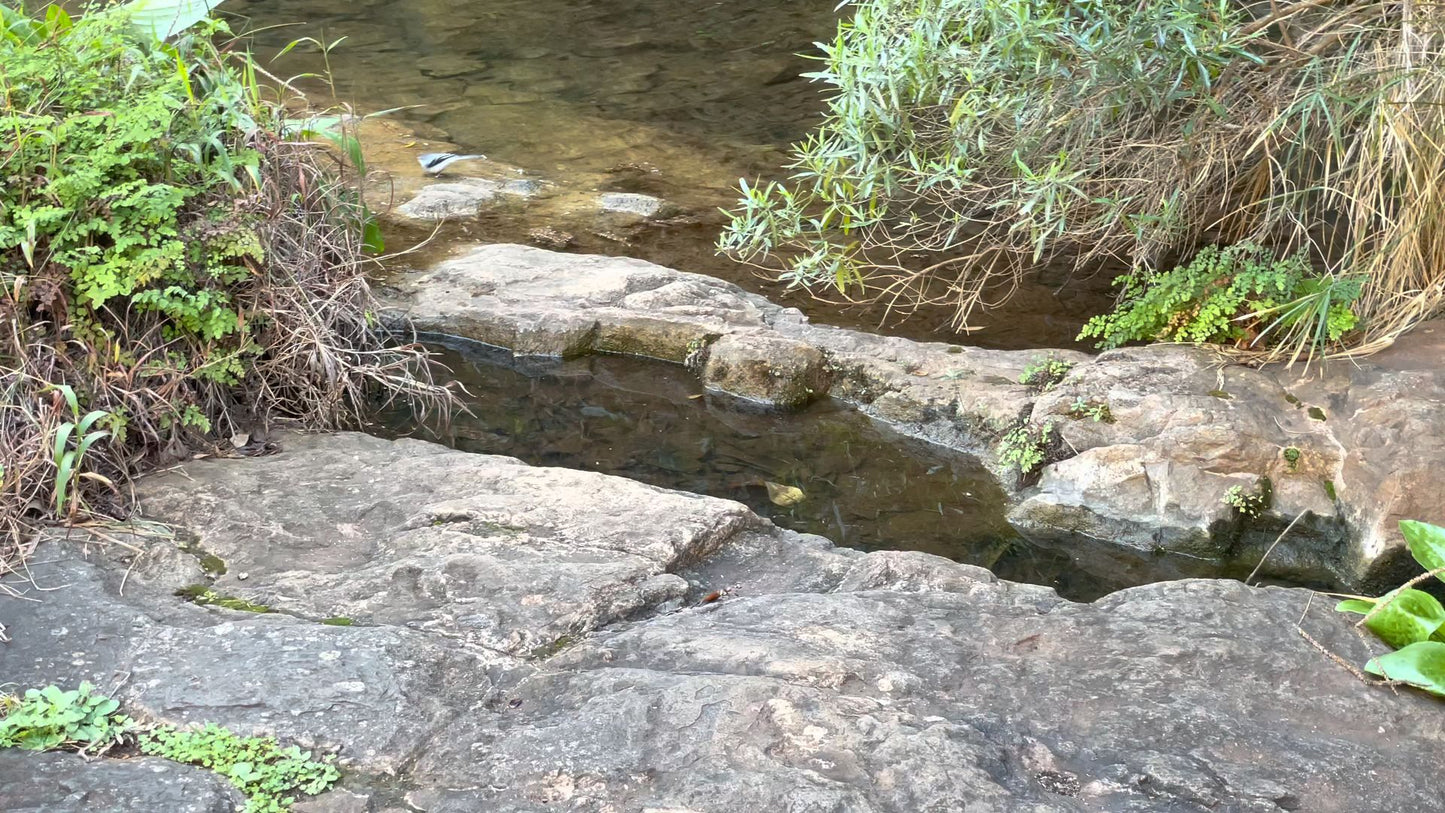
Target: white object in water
x=435, y=163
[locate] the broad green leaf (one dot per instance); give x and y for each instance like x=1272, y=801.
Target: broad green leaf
x=1408, y=617
x=1426, y=542
x=1355, y=605
x=1421, y=665
x=164, y=19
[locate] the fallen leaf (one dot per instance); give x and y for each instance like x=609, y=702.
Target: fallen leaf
x=784, y=495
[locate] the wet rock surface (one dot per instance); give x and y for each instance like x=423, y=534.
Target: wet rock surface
x=461, y=197
x=1149, y=442
x=821, y=679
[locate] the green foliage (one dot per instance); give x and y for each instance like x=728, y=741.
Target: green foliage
x=179, y=256
x=1250, y=503
x=1026, y=447
x=1095, y=411
x=1412, y=621
x=72, y=440
x=126, y=151
x=969, y=142
x=271, y=776
x=1235, y=295
x=1043, y=374
x=949, y=128
x=1291, y=456
x=49, y=718
x=204, y=596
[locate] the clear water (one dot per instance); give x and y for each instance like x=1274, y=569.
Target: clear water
x=673, y=99
x=866, y=486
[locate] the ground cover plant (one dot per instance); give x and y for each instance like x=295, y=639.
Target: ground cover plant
x=180, y=263
x=969, y=141
x=272, y=777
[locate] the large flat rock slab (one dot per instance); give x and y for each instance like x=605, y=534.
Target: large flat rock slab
x=539, y=302
x=821, y=679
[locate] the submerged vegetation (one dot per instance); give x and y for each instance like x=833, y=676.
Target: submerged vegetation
x=970, y=141
x=180, y=263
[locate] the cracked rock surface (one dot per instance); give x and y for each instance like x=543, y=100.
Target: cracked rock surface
x=530, y=639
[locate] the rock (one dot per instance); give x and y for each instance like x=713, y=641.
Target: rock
x=824, y=679
x=67, y=783
x=548, y=237
x=370, y=692
x=461, y=198
x=538, y=302
x=1384, y=451
x=770, y=370
x=338, y=800
x=631, y=203
x=506, y=557
x=1179, y=430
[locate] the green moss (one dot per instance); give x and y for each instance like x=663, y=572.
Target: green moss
x=1316, y=414
x=203, y=595
x=1290, y=399
x=1221, y=394
x=212, y=564
x=1330, y=490
x=1292, y=457
x=548, y=650
x=338, y=621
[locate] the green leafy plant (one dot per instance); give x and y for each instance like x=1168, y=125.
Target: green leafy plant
x=1025, y=447
x=1043, y=374
x=272, y=777
x=1240, y=295
x=1409, y=620
x=1291, y=455
x=72, y=440
x=1250, y=503
x=48, y=718
x=1096, y=411
x=182, y=255
x=968, y=142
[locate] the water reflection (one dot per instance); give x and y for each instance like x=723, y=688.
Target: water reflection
x=866, y=487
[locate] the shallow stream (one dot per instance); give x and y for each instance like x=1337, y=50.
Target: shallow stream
x=863, y=485
x=675, y=100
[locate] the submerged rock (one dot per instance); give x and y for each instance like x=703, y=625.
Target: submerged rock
x=465, y=197
x=1151, y=441
x=631, y=203
x=822, y=679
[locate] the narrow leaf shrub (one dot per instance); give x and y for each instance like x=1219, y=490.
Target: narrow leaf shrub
x=969, y=141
